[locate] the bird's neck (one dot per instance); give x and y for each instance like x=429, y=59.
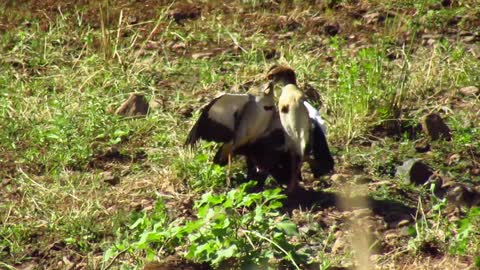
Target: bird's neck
x=292, y=88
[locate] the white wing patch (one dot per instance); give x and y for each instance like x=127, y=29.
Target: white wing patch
x=315, y=116
x=224, y=108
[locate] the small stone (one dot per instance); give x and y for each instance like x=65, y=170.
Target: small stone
x=339, y=244
x=453, y=159
x=469, y=39
x=463, y=195
x=360, y=213
x=446, y=3
x=361, y=179
x=435, y=127
x=186, y=112
x=132, y=20
x=155, y=104
x=422, y=146
x=110, y=178
x=469, y=90
x=135, y=105
x=414, y=172
x=202, y=55
x=391, y=236
x=403, y=222
x=372, y=17
x=338, y=177
x=179, y=46
x=331, y=29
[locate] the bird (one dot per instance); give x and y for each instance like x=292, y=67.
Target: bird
x=268, y=154
x=234, y=120
x=303, y=127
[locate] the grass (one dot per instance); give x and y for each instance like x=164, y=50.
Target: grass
x=62, y=77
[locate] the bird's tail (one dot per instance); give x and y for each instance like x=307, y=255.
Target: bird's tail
x=221, y=157
x=323, y=161
x=192, y=137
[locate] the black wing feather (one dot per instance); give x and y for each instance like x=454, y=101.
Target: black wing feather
x=323, y=162
x=207, y=129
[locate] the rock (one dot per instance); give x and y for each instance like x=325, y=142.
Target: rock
x=360, y=213
x=391, y=236
x=361, y=179
x=186, y=112
x=422, y=146
x=155, y=104
x=469, y=90
x=110, y=178
x=179, y=46
x=462, y=195
x=403, y=222
x=340, y=243
x=437, y=183
x=435, y=127
x=372, y=17
x=446, y=3
x=202, y=55
x=339, y=177
x=331, y=29
x=413, y=171
x=469, y=39
x=184, y=11
x=135, y=105
x=453, y=159
x=132, y=20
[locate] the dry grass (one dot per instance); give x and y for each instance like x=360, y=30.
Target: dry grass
x=64, y=70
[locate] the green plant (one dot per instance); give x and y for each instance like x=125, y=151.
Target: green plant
x=245, y=227
x=466, y=231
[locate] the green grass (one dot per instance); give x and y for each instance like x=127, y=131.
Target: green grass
x=60, y=84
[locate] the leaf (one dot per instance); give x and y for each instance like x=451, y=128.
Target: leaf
x=138, y=222
x=287, y=227
x=110, y=253
x=225, y=253
x=477, y=261
x=258, y=214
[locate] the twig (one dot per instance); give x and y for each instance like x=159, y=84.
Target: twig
x=114, y=259
x=7, y=266
x=275, y=244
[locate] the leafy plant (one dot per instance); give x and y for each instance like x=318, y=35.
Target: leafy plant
x=466, y=229
x=246, y=228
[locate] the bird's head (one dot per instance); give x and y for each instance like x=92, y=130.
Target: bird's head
x=267, y=88
x=281, y=74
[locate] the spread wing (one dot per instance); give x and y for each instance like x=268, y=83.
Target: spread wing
x=218, y=119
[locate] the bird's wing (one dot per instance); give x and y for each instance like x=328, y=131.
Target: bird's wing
x=270, y=153
x=218, y=119
x=315, y=116
x=322, y=162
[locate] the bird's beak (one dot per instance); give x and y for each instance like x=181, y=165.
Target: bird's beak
x=268, y=87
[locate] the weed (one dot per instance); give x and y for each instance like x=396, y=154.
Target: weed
x=236, y=225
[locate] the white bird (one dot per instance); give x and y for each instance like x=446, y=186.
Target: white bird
x=235, y=120
x=303, y=127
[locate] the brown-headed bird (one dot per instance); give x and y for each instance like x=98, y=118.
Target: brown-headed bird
x=304, y=132
x=235, y=120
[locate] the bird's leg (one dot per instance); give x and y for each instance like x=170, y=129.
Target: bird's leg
x=229, y=165
x=294, y=170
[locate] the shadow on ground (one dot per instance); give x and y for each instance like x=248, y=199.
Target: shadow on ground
x=391, y=211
